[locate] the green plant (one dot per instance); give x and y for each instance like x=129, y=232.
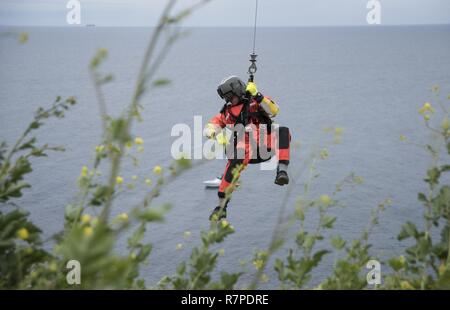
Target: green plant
x=426, y=264
x=20, y=241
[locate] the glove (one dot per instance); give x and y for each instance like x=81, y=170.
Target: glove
x=222, y=139
x=252, y=89
x=210, y=131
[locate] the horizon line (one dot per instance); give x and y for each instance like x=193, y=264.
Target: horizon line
x=249, y=27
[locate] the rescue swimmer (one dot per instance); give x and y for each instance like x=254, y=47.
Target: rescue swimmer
x=245, y=105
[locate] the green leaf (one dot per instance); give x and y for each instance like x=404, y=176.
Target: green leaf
x=300, y=213
x=35, y=125
x=408, y=230
x=106, y=79
x=309, y=241
x=445, y=168
x=337, y=242
x=300, y=238
x=13, y=190
x=151, y=214
x=317, y=257
x=99, y=195
x=433, y=176
x=119, y=130
x=328, y=221
x=441, y=202
x=21, y=167
x=161, y=82
x=229, y=280
x=397, y=263
x=72, y=213
x=137, y=236
x=177, y=18
x=422, y=197
x=29, y=144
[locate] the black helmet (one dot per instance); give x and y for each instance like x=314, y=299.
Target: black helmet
x=231, y=86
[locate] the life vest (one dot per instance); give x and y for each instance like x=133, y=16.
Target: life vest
x=255, y=114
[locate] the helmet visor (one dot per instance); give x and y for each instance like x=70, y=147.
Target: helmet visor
x=227, y=96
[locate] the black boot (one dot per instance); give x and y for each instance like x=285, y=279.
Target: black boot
x=282, y=178
x=217, y=214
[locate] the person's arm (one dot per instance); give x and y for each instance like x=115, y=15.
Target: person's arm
x=214, y=126
x=269, y=106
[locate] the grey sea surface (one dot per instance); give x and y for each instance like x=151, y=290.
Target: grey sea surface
x=370, y=81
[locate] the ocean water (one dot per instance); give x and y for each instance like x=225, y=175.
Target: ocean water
x=369, y=81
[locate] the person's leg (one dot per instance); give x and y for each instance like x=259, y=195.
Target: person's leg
x=283, y=155
x=233, y=169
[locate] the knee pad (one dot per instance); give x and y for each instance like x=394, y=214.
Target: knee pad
x=284, y=137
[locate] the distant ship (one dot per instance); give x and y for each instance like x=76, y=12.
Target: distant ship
x=90, y=25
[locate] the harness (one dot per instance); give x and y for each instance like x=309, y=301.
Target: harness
x=245, y=115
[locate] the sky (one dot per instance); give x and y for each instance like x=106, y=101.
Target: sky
x=226, y=13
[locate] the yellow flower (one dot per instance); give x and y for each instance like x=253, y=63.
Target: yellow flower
x=402, y=138
x=119, y=180
x=264, y=278
x=84, y=171
x=221, y=252
x=129, y=144
x=23, y=233
x=123, y=217
x=215, y=218
x=87, y=231
x=338, y=130
x=359, y=179
x=99, y=148
x=325, y=199
x=148, y=182
x=138, y=140
x=324, y=154
x=405, y=285
x=427, y=107
x=179, y=246
x=53, y=267
x=23, y=37
x=445, y=124
x=102, y=52
x=157, y=170
x=225, y=224
x=258, y=263
x=426, y=117
x=85, y=218
x=442, y=269
x=187, y=234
